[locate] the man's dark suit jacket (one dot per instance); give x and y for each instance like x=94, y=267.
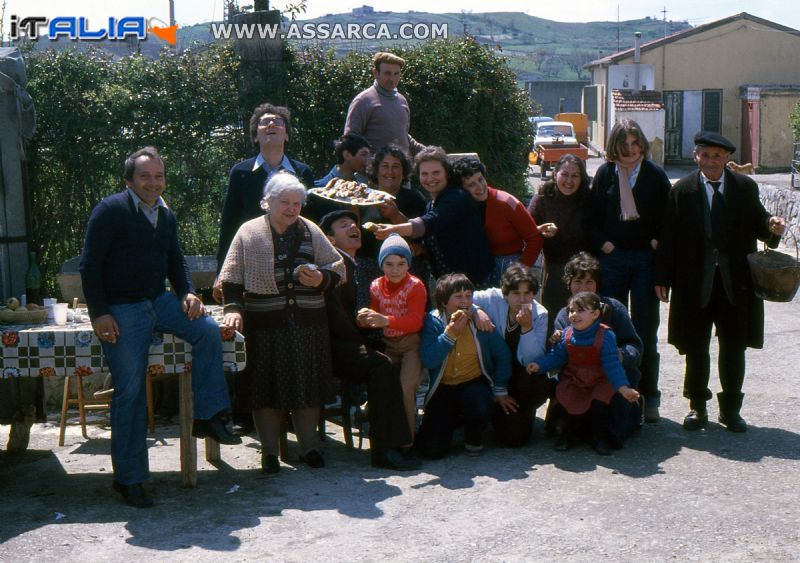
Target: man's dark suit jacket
x=243, y=199
x=681, y=259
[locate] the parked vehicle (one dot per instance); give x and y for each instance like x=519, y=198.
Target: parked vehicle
x=553, y=140
x=535, y=121
x=580, y=123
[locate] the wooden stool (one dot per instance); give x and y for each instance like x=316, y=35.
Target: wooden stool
x=151, y=417
x=82, y=403
x=101, y=401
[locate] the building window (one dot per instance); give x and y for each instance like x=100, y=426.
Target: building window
x=712, y=110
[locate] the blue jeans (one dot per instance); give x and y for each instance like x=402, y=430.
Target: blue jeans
x=629, y=274
x=128, y=360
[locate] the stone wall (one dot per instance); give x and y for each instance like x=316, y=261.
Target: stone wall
x=786, y=203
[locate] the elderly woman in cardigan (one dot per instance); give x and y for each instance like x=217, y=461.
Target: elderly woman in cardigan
x=273, y=282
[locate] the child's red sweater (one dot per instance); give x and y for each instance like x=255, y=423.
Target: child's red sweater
x=403, y=302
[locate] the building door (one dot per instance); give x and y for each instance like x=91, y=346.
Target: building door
x=749, y=152
x=673, y=118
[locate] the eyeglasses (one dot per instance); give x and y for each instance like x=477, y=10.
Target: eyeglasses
x=267, y=119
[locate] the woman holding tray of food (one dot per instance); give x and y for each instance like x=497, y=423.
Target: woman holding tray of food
x=364, y=202
x=390, y=171
x=452, y=226
x=273, y=282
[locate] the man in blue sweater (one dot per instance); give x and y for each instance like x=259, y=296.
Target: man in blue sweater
x=131, y=247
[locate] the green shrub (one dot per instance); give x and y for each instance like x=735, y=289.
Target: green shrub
x=94, y=110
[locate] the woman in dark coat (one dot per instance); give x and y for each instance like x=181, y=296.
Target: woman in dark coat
x=452, y=226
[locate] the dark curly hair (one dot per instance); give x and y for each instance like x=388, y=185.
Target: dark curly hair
x=580, y=265
x=467, y=166
x=383, y=152
x=550, y=188
x=280, y=111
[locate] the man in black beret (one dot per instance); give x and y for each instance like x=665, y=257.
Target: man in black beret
x=713, y=220
x=356, y=361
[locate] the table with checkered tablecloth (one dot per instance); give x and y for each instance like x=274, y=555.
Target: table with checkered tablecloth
x=52, y=350
x=30, y=353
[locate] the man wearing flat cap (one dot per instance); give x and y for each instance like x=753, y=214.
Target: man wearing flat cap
x=712, y=222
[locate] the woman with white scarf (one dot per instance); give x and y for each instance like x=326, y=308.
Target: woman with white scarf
x=623, y=222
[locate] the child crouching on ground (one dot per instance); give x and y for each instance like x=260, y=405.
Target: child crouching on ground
x=397, y=305
x=592, y=372
x=469, y=369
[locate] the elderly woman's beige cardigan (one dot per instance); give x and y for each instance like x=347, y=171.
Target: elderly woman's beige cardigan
x=251, y=258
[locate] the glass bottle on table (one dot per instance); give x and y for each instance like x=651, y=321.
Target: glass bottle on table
x=33, y=280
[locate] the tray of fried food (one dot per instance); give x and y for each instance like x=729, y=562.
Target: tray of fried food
x=351, y=192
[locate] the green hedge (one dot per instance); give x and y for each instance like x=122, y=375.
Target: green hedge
x=94, y=110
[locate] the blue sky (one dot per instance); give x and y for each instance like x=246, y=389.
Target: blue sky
x=189, y=12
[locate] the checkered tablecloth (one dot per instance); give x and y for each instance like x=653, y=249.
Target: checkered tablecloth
x=55, y=351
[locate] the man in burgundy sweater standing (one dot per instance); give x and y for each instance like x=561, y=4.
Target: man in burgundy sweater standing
x=381, y=113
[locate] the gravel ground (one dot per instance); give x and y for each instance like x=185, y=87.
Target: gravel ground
x=669, y=495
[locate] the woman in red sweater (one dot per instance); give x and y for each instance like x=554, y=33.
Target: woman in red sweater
x=511, y=230
x=397, y=305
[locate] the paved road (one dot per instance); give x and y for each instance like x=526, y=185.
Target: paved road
x=669, y=495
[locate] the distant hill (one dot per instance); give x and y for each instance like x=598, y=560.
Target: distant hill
x=536, y=48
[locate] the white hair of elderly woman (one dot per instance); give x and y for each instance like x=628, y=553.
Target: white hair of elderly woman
x=281, y=183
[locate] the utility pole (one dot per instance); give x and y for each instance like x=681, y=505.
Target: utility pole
x=664, y=11
x=617, y=28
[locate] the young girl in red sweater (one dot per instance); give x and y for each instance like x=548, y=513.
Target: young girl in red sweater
x=397, y=305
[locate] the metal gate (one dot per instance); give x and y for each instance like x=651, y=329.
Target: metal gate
x=673, y=106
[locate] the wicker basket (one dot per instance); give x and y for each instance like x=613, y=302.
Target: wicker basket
x=23, y=316
x=776, y=276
